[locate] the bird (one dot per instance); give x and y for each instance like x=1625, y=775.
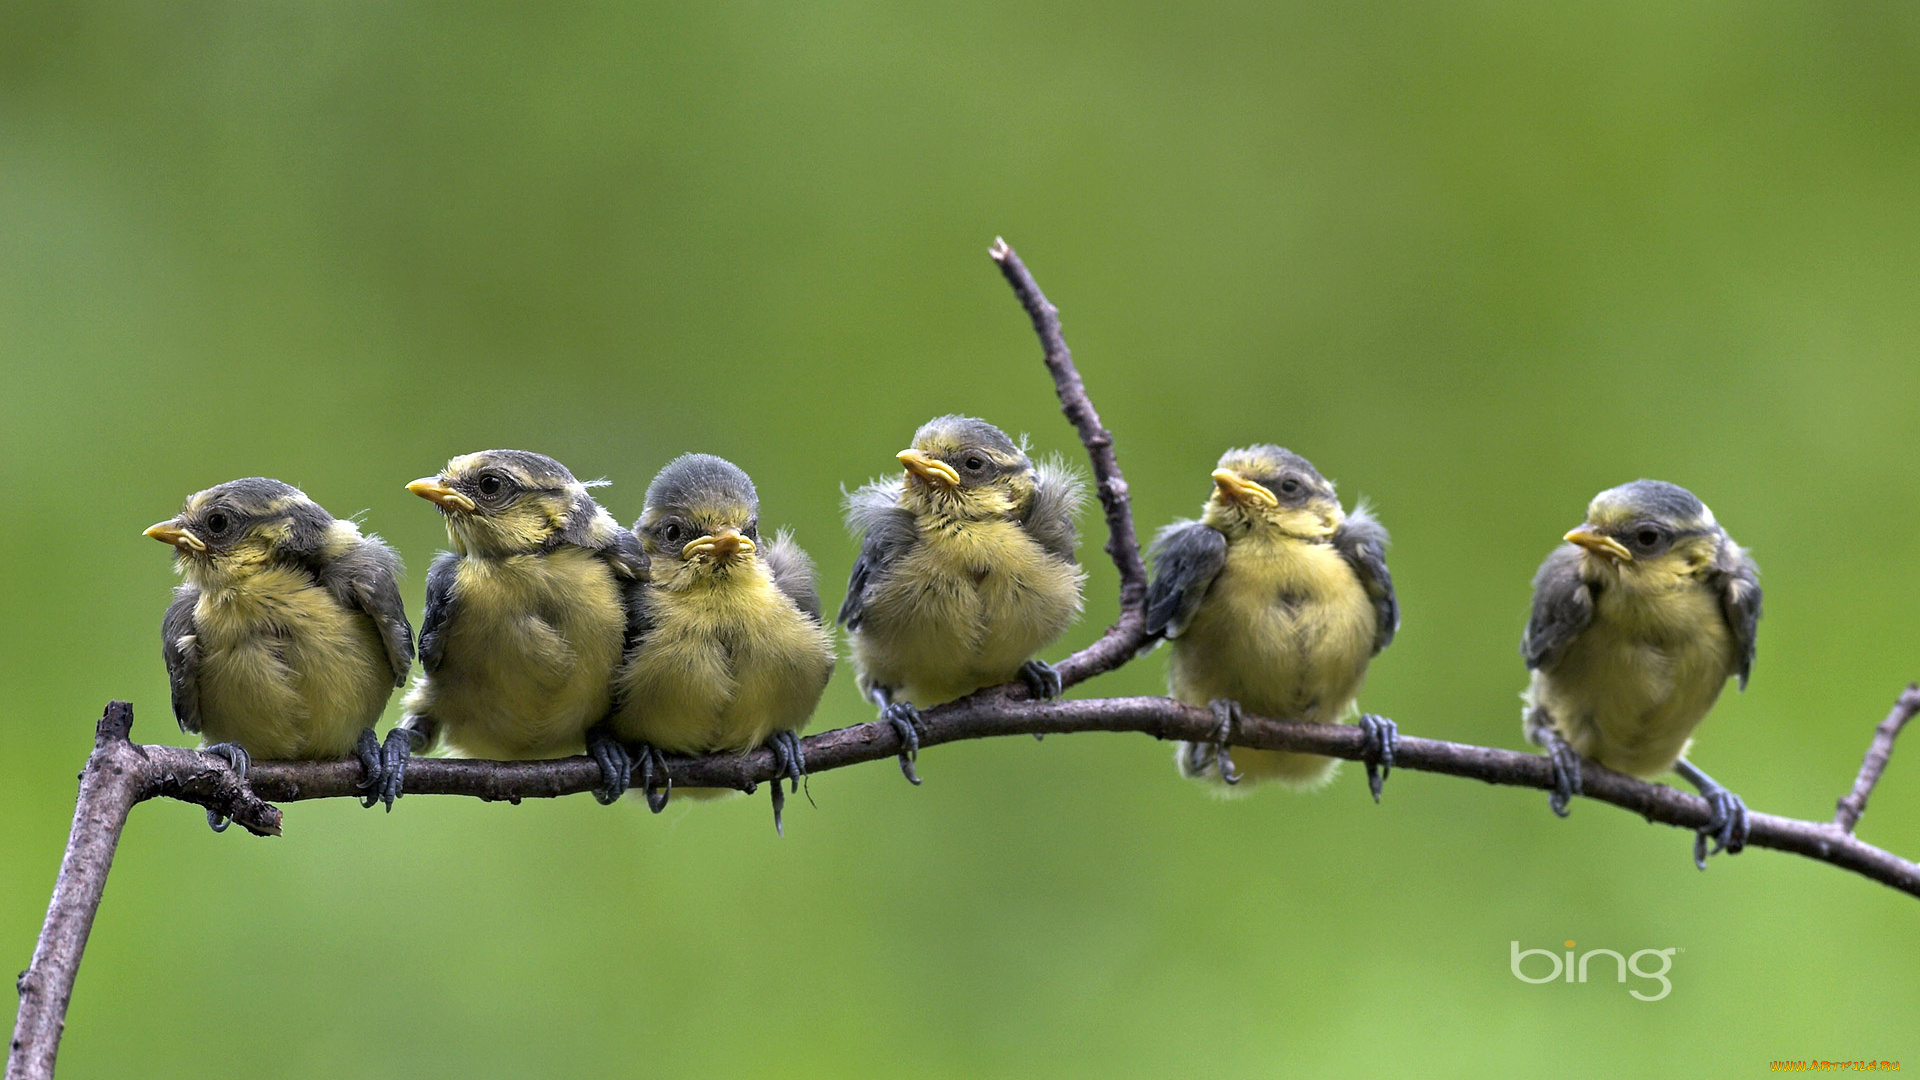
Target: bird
x=728, y=652
x=966, y=570
x=526, y=618
x=288, y=634
x=1276, y=601
x=1639, y=619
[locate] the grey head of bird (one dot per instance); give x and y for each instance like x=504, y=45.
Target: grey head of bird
x=966, y=469
x=241, y=525
x=1647, y=534
x=1269, y=490
x=513, y=502
x=702, y=521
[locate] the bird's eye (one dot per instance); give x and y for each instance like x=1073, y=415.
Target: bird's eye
x=671, y=532
x=217, y=522
x=489, y=485
x=1647, y=538
x=975, y=463
x=1289, y=486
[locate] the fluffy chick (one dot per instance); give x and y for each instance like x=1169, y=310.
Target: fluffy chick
x=526, y=617
x=965, y=571
x=288, y=634
x=1275, y=600
x=1638, y=621
x=728, y=651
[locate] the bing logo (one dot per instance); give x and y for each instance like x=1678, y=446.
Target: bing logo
x=1566, y=968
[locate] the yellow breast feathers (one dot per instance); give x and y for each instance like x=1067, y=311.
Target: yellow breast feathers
x=287, y=671
x=1631, y=688
x=963, y=609
x=530, y=654
x=722, y=665
x=1286, y=629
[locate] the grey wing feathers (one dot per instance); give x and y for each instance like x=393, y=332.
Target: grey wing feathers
x=1562, y=608
x=793, y=573
x=634, y=597
x=631, y=565
x=1186, y=557
x=433, y=621
x=368, y=578
x=889, y=532
x=1737, y=578
x=1362, y=541
x=182, y=654
x=624, y=553
x=1059, y=494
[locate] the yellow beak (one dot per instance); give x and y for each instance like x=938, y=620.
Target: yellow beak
x=431, y=487
x=1236, y=488
x=932, y=470
x=723, y=546
x=170, y=532
x=1600, y=544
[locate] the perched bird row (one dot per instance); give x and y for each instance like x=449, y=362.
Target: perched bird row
x=550, y=629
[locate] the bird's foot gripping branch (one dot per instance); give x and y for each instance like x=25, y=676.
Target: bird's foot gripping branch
x=120, y=773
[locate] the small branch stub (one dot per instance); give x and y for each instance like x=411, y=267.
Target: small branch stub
x=1853, y=804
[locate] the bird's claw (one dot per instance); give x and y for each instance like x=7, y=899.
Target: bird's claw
x=791, y=762
x=1728, y=825
x=1727, y=828
x=653, y=771
x=234, y=755
x=906, y=724
x=240, y=761
x=367, y=749
x=616, y=765
x=400, y=745
x=1199, y=757
x=1565, y=763
x=1383, y=735
x=1042, y=678
x=1226, y=716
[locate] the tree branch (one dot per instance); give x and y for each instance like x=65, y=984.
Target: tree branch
x=120, y=773
x=109, y=786
x=998, y=712
x=995, y=713
x=1847, y=811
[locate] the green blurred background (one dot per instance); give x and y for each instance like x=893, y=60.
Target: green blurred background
x=1476, y=261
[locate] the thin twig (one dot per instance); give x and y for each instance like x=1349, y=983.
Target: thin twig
x=1129, y=632
x=1847, y=811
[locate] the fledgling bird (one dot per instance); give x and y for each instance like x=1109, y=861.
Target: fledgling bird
x=288, y=635
x=727, y=652
x=965, y=571
x=1274, y=601
x=526, y=617
x=1638, y=621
